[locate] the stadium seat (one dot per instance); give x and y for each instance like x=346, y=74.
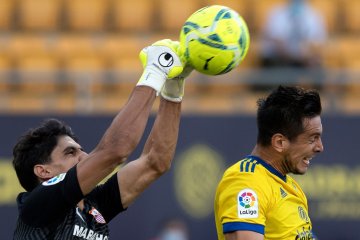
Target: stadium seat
x=69, y=45
x=173, y=14
x=5, y=63
x=81, y=61
x=132, y=16
x=331, y=54
x=349, y=49
x=5, y=67
x=110, y=102
x=260, y=10
x=351, y=16
x=26, y=44
x=66, y=103
x=26, y=104
x=39, y=14
x=86, y=15
x=251, y=60
x=122, y=51
x=6, y=14
x=330, y=12
x=34, y=56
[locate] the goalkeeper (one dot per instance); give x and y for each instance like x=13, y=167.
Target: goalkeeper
x=63, y=198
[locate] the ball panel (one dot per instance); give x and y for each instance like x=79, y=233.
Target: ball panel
x=214, y=40
x=209, y=60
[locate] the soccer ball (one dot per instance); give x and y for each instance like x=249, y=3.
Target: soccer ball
x=214, y=40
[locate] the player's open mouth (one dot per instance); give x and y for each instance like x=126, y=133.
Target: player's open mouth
x=307, y=161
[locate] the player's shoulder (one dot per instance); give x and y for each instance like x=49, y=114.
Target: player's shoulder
x=248, y=174
x=21, y=199
x=247, y=171
x=248, y=166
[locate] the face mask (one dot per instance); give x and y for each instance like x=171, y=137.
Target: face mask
x=297, y=6
x=173, y=235
x=298, y=1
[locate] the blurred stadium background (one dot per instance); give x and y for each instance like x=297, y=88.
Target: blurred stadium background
x=78, y=60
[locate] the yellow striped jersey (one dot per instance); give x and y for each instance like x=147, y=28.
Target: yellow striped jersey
x=254, y=196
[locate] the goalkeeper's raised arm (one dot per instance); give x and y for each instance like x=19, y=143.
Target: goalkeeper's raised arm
x=63, y=198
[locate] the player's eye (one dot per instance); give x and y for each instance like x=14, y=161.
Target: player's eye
x=313, y=139
x=70, y=151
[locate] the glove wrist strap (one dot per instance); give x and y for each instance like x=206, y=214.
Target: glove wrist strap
x=152, y=77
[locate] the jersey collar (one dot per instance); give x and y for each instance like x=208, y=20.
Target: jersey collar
x=268, y=167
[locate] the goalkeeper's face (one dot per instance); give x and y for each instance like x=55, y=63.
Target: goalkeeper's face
x=302, y=150
x=66, y=154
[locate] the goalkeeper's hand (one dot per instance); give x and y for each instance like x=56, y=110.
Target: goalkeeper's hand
x=160, y=62
x=173, y=89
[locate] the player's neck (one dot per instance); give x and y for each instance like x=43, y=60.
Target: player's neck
x=80, y=205
x=272, y=159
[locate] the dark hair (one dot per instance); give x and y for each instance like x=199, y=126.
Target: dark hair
x=35, y=147
x=284, y=110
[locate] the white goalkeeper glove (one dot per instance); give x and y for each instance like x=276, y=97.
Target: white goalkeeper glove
x=160, y=61
x=173, y=89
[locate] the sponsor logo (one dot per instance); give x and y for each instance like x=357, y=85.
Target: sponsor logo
x=85, y=233
x=54, y=180
x=247, y=204
x=97, y=215
x=283, y=193
x=305, y=234
x=166, y=59
x=303, y=214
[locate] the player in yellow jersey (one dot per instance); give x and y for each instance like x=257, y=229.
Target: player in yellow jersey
x=256, y=198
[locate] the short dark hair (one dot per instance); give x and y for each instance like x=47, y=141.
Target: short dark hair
x=284, y=110
x=35, y=147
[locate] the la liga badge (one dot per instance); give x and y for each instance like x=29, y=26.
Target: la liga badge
x=248, y=205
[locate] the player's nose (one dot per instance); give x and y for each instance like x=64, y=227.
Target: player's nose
x=319, y=146
x=82, y=156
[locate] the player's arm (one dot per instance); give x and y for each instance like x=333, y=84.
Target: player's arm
x=160, y=145
x=137, y=175
x=126, y=130
x=234, y=219
x=119, y=140
x=156, y=157
x=244, y=235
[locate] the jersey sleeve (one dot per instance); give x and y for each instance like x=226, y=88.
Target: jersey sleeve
x=242, y=201
x=49, y=202
x=107, y=198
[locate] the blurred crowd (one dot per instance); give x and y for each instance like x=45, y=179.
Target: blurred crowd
x=66, y=49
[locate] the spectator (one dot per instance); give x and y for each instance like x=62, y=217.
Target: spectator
x=173, y=229
x=292, y=37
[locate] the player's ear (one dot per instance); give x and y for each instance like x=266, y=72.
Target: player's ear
x=42, y=171
x=279, y=142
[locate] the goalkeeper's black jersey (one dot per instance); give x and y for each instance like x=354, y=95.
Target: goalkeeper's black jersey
x=50, y=211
